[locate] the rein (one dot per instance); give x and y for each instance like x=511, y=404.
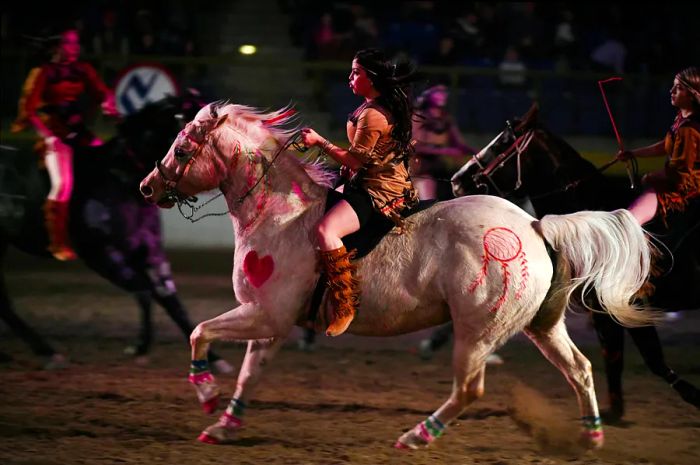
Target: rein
x=173, y=194
x=518, y=148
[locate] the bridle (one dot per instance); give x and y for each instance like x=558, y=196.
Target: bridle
x=171, y=193
x=517, y=148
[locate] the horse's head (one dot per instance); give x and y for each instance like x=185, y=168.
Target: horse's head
x=150, y=131
x=191, y=165
x=207, y=152
x=478, y=175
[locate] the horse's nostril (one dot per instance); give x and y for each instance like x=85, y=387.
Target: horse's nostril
x=146, y=190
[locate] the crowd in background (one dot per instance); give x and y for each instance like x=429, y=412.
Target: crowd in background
x=536, y=35
x=567, y=39
x=532, y=35
x=151, y=27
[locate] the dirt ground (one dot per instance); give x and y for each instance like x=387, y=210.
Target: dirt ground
x=345, y=403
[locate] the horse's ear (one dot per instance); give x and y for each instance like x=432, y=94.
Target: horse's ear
x=529, y=119
x=221, y=120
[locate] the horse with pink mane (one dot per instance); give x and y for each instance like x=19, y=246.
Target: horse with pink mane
x=479, y=261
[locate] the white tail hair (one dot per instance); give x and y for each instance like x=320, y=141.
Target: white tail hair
x=607, y=252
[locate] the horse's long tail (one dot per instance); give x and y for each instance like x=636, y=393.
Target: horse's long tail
x=604, y=252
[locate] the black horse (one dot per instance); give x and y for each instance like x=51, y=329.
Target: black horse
x=112, y=229
x=541, y=172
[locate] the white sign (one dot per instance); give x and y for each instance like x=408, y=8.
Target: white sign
x=141, y=84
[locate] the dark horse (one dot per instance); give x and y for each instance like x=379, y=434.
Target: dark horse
x=112, y=229
x=539, y=171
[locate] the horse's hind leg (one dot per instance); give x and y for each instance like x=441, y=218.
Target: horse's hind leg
x=556, y=345
x=145, y=338
x=468, y=385
x=38, y=345
x=259, y=353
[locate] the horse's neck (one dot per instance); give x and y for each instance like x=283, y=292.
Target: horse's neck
x=282, y=196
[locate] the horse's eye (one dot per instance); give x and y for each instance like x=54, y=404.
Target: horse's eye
x=180, y=153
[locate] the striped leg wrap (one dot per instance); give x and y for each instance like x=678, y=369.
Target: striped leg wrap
x=236, y=408
x=199, y=372
x=592, y=426
x=431, y=429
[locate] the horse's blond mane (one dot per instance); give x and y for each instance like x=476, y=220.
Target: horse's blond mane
x=254, y=126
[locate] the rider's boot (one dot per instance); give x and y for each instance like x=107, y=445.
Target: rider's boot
x=342, y=286
x=56, y=217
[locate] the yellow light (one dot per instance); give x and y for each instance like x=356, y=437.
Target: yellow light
x=247, y=49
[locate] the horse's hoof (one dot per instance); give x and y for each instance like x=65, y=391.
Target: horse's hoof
x=206, y=439
x=135, y=350
x=416, y=438
x=306, y=346
x=425, y=349
x=400, y=445
x=56, y=362
x=223, y=367
x=223, y=431
x=207, y=391
x=593, y=440
x=210, y=406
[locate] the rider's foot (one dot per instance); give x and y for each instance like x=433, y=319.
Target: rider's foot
x=342, y=288
x=340, y=323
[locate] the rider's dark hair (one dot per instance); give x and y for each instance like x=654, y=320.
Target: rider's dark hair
x=690, y=78
x=393, y=80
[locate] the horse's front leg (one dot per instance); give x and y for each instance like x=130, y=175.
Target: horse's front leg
x=245, y=322
x=259, y=353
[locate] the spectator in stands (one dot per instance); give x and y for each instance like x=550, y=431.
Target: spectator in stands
x=512, y=70
x=610, y=55
x=109, y=37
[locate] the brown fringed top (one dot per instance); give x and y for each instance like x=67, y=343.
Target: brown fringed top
x=681, y=177
x=383, y=174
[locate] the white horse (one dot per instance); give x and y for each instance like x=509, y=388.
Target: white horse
x=480, y=261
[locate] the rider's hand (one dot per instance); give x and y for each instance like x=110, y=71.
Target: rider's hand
x=624, y=155
x=109, y=108
x=346, y=172
x=310, y=137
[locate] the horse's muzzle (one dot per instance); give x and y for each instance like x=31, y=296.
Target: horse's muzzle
x=147, y=189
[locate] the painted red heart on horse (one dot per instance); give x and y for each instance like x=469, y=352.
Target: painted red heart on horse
x=258, y=270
